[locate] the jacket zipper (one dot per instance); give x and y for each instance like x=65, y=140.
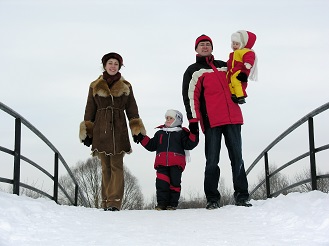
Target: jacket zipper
x=167, y=157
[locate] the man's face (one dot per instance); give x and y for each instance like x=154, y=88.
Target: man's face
x=204, y=48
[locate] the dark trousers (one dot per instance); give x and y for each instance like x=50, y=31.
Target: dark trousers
x=168, y=185
x=233, y=142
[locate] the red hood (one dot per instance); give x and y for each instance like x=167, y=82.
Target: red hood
x=251, y=40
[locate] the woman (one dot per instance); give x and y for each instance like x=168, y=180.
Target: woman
x=110, y=98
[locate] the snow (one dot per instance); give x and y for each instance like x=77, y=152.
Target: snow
x=295, y=219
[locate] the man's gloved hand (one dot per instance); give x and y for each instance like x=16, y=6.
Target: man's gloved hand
x=242, y=77
x=87, y=141
x=138, y=138
x=194, y=127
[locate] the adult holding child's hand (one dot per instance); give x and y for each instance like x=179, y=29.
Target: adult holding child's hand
x=110, y=101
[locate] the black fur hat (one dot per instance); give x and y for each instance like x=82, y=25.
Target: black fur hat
x=113, y=55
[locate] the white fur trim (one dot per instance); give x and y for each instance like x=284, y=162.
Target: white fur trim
x=244, y=38
x=172, y=129
x=236, y=37
x=83, y=131
x=254, y=71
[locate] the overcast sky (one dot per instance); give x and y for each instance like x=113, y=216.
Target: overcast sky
x=51, y=51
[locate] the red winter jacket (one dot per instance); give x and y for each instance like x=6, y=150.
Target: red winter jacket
x=170, y=146
x=237, y=59
x=206, y=94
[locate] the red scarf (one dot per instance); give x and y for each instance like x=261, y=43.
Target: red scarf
x=110, y=79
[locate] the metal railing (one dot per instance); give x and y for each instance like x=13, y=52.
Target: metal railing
x=311, y=154
x=16, y=153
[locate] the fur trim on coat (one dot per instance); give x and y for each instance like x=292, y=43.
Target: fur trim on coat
x=119, y=88
x=137, y=126
x=86, y=128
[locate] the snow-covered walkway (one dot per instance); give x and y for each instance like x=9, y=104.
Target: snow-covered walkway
x=295, y=219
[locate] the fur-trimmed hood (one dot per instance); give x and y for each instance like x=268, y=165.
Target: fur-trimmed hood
x=119, y=88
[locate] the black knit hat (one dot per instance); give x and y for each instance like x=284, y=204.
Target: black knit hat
x=113, y=55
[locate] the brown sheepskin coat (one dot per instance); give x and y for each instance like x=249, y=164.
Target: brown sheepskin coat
x=105, y=117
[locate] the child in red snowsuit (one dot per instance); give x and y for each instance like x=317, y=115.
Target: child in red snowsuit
x=241, y=64
x=170, y=143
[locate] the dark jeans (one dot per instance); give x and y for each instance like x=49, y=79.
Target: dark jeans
x=168, y=185
x=233, y=142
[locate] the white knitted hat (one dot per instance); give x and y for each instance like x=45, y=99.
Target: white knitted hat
x=176, y=115
x=241, y=37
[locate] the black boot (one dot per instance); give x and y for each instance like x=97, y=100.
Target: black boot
x=243, y=203
x=241, y=100
x=160, y=207
x=234, y=99
x=212, y=205
x=111, y=209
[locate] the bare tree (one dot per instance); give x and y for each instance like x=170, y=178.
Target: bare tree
x=322, y=184
x=277, y=182
x=193, y=201
x=152, y=204
x=226, y=193
x=132, y=197
x=89, y=177
x=31, y=193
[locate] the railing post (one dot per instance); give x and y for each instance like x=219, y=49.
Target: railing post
x=312, y=153
x=56, y=178
x=76, y=195
x=17, y=156
x=267, y=176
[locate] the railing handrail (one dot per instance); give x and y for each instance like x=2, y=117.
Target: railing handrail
x=286, y=132
x=311, y=153
x=16, y=115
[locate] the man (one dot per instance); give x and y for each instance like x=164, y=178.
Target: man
x=207, y=99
